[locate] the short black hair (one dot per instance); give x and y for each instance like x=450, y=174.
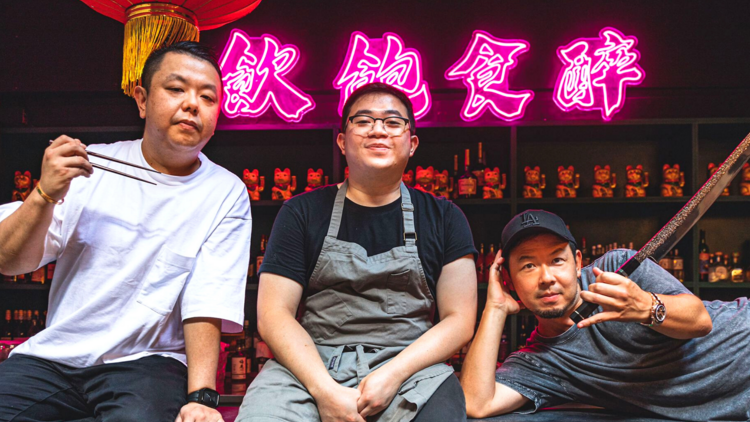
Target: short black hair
x=191, y=48
x=378, y=88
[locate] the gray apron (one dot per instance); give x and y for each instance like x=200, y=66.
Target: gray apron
x=365, y=311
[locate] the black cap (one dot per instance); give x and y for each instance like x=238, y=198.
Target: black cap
x=532, y=222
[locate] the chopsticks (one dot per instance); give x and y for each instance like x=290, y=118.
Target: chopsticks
x=98, y=166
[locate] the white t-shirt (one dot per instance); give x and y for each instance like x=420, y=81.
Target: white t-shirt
x=134, y=260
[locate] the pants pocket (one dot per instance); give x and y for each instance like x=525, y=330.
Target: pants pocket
x=165, y=280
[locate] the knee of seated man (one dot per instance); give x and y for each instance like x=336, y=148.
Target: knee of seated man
x=135, y=409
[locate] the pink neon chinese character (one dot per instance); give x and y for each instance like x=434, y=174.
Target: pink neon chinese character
x=596, y=72
x=484, y=69
x=254, y=70
x=383, y=60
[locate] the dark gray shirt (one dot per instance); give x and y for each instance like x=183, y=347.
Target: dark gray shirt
x=631, y=368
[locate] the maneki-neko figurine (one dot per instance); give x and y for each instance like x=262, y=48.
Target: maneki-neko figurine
x=286, y=184
x=408, y=178
x=712, y=169
x=425, y=180
x=315, y=179
x=745, y=184
x=443, y=184
x=346, y=172
x=567, y=182
x=604, y=182
x=672, y=181
x=255, y=184
x=23, y=186
x=494, y=183
x=637, y=182
x=535, y=182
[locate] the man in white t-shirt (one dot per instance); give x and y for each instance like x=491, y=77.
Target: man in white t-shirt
x=146, y=275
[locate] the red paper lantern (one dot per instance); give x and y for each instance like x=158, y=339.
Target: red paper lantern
x=150, y=25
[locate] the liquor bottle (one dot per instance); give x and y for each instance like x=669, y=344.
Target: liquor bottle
x=239, y=360
x=489, y=259
x=703, y=256
x=736, y=274
x=478, y=168
x=467, y=182
x=39, y=276
x=480, y=264
x=585, y=255
x=51, y=270
x=504, y=350
x=261, y=253
x=721, y=270
x=666, y=263
x=678, y=266
x=712, y=276
x=454, y=194
x=20, y=325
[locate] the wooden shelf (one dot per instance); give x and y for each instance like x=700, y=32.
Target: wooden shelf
x=723, y=285
x=590, y=200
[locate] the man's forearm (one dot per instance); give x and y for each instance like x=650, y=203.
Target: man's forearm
x=202, y=337
x=436, y=345
x=478, y=371
x=687, y=317
x=293, y=347
x=22, y=236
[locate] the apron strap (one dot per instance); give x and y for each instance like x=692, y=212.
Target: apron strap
x=338, y=211
x=407, y=209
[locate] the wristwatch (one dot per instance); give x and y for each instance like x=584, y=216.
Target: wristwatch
x=658, y=311
x=204, y=396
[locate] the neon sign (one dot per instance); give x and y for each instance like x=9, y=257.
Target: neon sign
x=254, y=70
x=383, y=60
x=484, y=68
x=596, y=72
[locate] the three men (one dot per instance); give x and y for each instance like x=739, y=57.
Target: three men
x=366, y=262
x=146, y=275
x=653, y=349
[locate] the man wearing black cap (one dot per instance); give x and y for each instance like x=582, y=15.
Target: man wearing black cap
x=652, y=348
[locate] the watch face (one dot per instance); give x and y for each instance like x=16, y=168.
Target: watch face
x=660, y=313
x=210, y=398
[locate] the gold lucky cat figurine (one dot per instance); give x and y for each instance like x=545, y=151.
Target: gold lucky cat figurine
x=285, y=184
x=567, y=182
x=315, y=179
x=604, y=182
x=443, y=184
x=255, y=185
x=23, y=185
x=535, y=182
x=493, y=187
x=425, y=180
x=672, y=181
x=637, y=182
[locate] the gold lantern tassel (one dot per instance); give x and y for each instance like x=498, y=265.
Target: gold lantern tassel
x=151, y=26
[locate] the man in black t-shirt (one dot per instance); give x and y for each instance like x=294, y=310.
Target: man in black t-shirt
x=368, y=261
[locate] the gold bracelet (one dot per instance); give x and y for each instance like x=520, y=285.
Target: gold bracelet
x=47, y=197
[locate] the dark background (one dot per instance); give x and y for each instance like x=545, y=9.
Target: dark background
x=61, y=61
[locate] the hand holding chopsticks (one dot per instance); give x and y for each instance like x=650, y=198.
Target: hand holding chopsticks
x=99, y=166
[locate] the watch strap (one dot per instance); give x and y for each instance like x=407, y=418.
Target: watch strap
x=204, y=397
x=655, y=303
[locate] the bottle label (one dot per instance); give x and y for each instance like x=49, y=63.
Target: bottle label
x=238, y=368
x=239, y=388
x=678, y=264
x=666, y=263
x=703, y=263
x=467, y=186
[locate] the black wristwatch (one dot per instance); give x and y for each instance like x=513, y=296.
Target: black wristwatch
x=204, y=396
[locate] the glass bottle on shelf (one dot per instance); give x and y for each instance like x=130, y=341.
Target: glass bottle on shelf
x=480, y=264
x=7, y=331
x=454, y=194
x=20, y=325
x=51, y=270
x=703, y=256
x=489, y=259
x=585, y=255
x=678, y=266
x=721, y=271
x=478, y=168
x=467, y=182
x=736, y=274
x=712, y=277
x=666, y=263
x=261, y=253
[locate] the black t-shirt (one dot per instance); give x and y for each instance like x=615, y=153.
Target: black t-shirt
x=443, y=234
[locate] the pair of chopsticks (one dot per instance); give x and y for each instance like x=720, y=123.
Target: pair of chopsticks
x=98, y=166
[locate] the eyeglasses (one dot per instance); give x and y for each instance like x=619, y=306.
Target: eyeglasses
x=393, y=125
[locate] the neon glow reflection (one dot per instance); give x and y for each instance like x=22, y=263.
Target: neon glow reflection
x=383, y=60
x=596, y=72
x=484, y=69
x=254, y=70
